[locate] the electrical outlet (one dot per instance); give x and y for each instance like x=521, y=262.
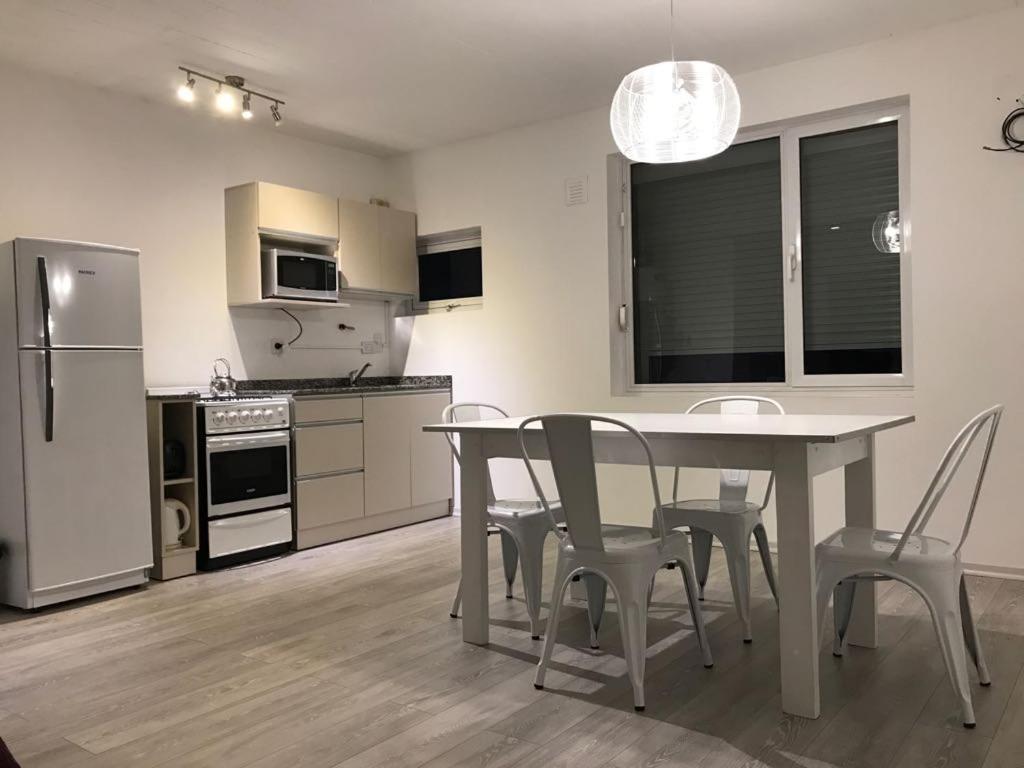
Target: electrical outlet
x=371, y=347
x=378, y=337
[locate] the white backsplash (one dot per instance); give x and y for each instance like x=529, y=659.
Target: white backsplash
x=322, y=351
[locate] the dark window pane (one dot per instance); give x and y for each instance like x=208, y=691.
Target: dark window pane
x=450, y=275
x=707, y=268
x=849, y=184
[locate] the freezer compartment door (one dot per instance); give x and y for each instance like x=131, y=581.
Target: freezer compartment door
x=77, y=295
x=87, y=488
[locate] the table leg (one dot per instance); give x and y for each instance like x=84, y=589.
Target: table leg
x=860, y=512
x=798, y=620
x=473, y=511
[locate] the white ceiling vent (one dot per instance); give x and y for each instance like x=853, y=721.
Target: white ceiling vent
x=576, y=190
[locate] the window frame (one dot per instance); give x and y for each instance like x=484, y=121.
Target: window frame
x=789, y=133
x=470, y=237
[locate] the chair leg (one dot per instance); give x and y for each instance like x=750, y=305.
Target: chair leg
x=457, y=602
x=597, y=591
x=690, y=584
x=761, y=537
x=842, y=609
x=510, y=559
x=971, y=635
x=949, y=627
x=531, y=553
x=701, y=541
x=557, y=598
x=737, y=557
x=632, y=600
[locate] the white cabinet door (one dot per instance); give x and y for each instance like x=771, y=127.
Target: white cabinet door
x=387, y=453
x=297, y=210
x=358, y=246
x=398, y=265
x=431, y=462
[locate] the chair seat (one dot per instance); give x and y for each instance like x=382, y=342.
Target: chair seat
x=513, y=509
x=724, y=507
x=634, y=541
x=877, y=546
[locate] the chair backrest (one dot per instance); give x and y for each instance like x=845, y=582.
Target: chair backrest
x=570, y=444
x=951, y=461
x=733, y=483
x=457, y=412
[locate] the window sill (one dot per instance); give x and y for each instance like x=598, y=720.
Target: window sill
x=444, y=307
x=802, y=390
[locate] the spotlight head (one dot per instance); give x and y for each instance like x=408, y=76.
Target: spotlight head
x=247, y=106
x=224, y=100
x=275, y=112
x=186, y=91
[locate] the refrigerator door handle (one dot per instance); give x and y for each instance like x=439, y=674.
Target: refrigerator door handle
x=44, y=297
x=48, y=389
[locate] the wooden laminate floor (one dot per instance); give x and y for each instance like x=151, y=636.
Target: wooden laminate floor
x=345, y=656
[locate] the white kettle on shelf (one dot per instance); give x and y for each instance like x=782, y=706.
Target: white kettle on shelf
x=176, y=521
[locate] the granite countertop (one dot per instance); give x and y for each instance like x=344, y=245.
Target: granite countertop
x=368, y=385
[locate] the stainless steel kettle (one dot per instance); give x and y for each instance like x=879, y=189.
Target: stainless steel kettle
x=222, y=384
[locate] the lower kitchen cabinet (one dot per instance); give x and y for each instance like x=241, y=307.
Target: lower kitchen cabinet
x=321, y=503
x=404, y=467
x=364, y=465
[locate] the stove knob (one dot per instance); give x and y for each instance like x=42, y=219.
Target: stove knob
x=232, y=417
x=268, y=415
x=243, y=417
x=218, y=418
x=256, y=415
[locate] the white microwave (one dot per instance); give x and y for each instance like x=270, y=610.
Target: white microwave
x=291, y=274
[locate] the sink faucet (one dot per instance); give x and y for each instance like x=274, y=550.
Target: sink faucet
x=356, y=374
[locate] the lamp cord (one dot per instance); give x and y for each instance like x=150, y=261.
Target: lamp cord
x=1013, y=144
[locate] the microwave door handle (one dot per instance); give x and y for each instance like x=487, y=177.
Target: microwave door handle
x=44, y=297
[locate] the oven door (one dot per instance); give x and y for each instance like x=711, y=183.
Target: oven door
x=247, y=472
x=299, y=275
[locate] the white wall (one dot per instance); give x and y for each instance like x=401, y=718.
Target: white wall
x=85, y=164
x=541, y=340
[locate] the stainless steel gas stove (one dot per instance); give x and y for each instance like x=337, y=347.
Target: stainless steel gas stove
x=245, y=479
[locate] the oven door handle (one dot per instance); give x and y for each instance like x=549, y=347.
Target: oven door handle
x=248, y=521
x=249, y=440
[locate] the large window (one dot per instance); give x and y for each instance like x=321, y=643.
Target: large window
x=783, y=260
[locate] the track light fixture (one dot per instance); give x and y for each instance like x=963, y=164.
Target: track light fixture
x=186, y=91
x=224, y=97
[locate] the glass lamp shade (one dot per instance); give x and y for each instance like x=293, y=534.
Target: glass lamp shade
x=886, y=232
x=675, y=111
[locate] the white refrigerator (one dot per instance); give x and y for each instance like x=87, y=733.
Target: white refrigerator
x=74, y=484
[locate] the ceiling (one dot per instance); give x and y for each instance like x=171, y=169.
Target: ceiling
x=389, y=76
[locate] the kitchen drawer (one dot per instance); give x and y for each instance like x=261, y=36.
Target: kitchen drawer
x=328, y=448
x=327, y=409
x=328, y=500
x=228, y=535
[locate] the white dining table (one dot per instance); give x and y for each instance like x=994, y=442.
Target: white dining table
x=796, y=446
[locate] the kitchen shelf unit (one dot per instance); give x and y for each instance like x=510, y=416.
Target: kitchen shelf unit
x=172, y=420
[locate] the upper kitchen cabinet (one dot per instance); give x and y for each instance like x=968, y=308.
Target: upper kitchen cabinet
x=300, y=212
x=376, y=248
x=398, y=250
x=303, y=225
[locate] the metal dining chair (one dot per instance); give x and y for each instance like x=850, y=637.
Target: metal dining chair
x=730, y=518
x=625, y=557
x=930, y=566
x=522, y=523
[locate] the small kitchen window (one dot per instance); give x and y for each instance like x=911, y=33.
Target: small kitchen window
x=450, y=270
x=781, y=262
